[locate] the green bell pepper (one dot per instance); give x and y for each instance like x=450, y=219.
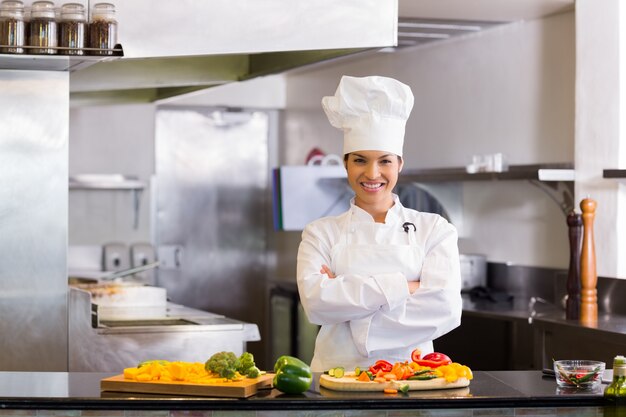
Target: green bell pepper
x=292, y=375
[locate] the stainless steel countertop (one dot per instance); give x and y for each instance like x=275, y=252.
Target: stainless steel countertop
x=540, y=312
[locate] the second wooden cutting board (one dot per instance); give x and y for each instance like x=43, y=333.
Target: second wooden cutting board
x=350, y=383
x=235, y=389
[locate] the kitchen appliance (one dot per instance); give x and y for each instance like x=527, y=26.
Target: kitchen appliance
x=115, y=257
x=211, y=211
x=473, y=271
x=109, y=338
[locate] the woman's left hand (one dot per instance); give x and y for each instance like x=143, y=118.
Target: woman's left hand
x=326, y=270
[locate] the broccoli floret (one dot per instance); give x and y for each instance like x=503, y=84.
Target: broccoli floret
x=245, y=361
x=252, y=372
x=222, y=363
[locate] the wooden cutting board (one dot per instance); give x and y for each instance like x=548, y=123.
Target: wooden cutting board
x=349, y=383
x=234, y=389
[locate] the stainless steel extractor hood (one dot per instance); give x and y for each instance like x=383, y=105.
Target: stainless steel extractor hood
x=171, y=48
x=197, y=44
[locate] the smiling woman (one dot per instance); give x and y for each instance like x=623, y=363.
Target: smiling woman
x=380, y=279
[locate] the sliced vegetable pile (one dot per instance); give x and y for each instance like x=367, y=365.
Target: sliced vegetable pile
x=430, y=366
x=219, y=368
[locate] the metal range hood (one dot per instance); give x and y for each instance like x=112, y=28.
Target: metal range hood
x=175, y=48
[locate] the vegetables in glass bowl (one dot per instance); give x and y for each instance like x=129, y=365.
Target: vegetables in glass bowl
x=579, y=373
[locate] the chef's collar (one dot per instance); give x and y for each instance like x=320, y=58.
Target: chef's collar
x=393, y=215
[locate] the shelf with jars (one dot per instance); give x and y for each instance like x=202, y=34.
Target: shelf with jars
x=45, y=37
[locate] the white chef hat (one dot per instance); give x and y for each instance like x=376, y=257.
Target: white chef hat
x=371, y=111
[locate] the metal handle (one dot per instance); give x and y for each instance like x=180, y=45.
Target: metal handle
x=130, y=271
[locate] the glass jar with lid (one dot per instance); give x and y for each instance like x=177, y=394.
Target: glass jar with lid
x=42, y=33
x=103, y=29
x=72, y=29
x=12, y=27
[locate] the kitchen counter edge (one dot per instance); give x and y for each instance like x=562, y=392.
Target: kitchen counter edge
x=493, y=389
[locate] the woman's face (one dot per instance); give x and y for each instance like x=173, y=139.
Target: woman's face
x=372, y=175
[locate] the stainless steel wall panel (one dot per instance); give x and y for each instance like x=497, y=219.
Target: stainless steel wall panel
x=34, y=120
x=212, y=206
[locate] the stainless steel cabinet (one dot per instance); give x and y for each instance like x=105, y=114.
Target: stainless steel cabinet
x=291, y=332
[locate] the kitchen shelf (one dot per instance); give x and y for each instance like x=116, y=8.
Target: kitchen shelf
x=538, y=172
x=68, y=63
x=618, y=174
x=105, y=182
x=556, y=180
x=111, y=182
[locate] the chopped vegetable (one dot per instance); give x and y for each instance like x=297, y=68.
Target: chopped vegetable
x=433, y=360
x=454, y=371
x=222, y=363
x=403, y=388
x=422, y=377
x=245, y=365
x=578, y=379
x=381, y=365
x=390, y=376
x=253, y=372
x=437, y=357
x=416, y=355
x=398, y=372
x=337, y=372
x=166, y=371
x=364, y=377
x=228, y=365
x=390, y=391
x=159, y=361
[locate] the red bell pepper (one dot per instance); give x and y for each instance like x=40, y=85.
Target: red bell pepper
x=432, y=360
x=381, y=365
x=416, y=355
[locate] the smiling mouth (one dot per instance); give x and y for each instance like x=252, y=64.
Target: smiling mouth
x=372, y=186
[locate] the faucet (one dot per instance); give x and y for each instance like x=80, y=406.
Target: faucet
x=531, y=307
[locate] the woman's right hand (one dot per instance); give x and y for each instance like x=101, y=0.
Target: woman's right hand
x=413, y=286
x=326, y=270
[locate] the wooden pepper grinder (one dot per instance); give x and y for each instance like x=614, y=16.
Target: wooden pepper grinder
x=588, y=277
x=575, y=223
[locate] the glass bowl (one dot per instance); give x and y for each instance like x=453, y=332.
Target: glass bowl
x=579, y=373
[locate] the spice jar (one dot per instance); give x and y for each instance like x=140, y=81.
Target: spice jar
x=12, y=27
x=42, y=32
x=72, y=29
x=103, y=29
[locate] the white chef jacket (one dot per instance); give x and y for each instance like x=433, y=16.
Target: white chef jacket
x=366, y=313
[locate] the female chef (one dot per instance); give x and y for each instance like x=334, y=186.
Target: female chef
x=380, y=279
